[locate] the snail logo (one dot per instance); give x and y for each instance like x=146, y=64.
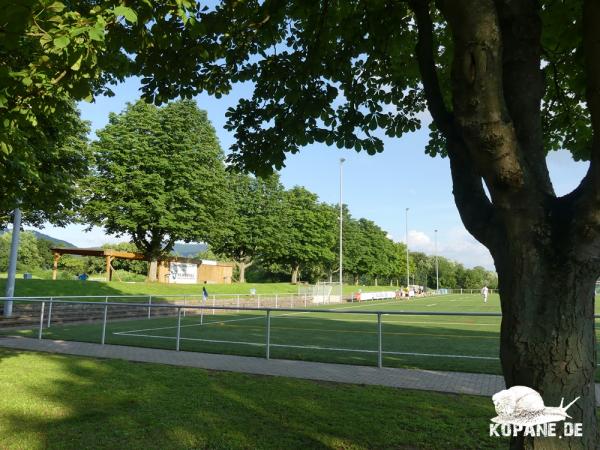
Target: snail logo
x=522, y=409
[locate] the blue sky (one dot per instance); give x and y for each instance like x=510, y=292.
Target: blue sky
x=378, y=187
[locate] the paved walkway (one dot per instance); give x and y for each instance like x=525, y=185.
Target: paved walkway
x=429, y=380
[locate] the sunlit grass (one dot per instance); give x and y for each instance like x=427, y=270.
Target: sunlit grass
x=52, y=401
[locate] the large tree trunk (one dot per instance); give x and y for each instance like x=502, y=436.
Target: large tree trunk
x=545, y=248
x=153, y=271
x=242, y=266
x=548, y=335
x=295, y=273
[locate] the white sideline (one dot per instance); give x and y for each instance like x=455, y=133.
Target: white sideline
x=236, y=320
x=315, y=347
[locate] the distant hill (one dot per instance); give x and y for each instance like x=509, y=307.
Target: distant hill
x=187, y=250
x=55, y=242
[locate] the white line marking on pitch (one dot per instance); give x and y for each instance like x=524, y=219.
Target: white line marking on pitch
x=236, y=320
x=315, y=347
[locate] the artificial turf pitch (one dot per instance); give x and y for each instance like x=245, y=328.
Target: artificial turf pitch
x=460, y=343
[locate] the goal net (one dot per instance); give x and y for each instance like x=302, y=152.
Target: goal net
x=322, y=292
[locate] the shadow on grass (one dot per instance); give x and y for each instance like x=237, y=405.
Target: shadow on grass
x=68, y=402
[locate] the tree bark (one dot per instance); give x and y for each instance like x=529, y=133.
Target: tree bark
x=242, y=266
x=153, y=271
x=546, y=249
x=295, y=273
x=548, y=334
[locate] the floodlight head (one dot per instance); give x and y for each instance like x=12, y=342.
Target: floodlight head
x=342, y=160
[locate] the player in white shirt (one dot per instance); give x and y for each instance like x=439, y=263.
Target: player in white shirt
x=484, y=292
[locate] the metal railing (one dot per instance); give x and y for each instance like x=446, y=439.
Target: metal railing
x=181, y=308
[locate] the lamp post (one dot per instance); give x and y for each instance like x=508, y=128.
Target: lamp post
x=341, y=228
x=437, y=278
x=12, y=263
x=407, y=268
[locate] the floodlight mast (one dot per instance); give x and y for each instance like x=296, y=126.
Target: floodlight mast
x=407, y=269
x=437, y=278
x=341, y=228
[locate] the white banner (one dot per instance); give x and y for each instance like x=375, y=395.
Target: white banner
x=183, y=273
x=375, y=295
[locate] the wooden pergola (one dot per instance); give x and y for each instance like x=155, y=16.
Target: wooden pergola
x=108, y=254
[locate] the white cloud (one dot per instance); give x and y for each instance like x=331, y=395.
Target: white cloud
x=461, y=246
x=420, y=242
x=456, y=244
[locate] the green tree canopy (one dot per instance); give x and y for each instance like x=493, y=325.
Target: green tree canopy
x=41, y=172
x=29, y=257
x=504, y=81
x=159, y=177
x=308, y=233
x=255, y=227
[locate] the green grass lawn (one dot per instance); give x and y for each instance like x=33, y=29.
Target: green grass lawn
x=457, y=343
x=454, y=343
x=64, y=402
x=28, y=288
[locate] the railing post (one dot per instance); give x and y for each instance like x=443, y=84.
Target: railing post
x=305, y=299
x=149, y=305
x=178, y=327
x=49, y=313
x=214, y=299
x=292, y=305
x=258, y=300
x=238, y=303
x=41, y=320
x=276, y=300
x=104, y=322
x=184, y=304
x=379, y=347
x=268, y=355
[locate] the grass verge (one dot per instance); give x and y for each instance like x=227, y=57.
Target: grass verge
x=55, y=401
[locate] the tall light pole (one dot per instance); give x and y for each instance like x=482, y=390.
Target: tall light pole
x=341, y=228
x=407, y=268
x=12, y=263
x=437, y=278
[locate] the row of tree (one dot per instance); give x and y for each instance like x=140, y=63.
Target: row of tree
x=504, y=82
x=157, y=175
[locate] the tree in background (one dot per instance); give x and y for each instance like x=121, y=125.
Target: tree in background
x=29, y=257
x=351, y=68
x=308, y=233
x=423, y=265
x=40, y=172
x=353, y=245
x=255, y=226
x=505, y=82
x=159, y=178
x=401, y=269
x=379, y=252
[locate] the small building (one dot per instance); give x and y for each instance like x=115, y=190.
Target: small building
x=171, y=270
x=190, y=271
